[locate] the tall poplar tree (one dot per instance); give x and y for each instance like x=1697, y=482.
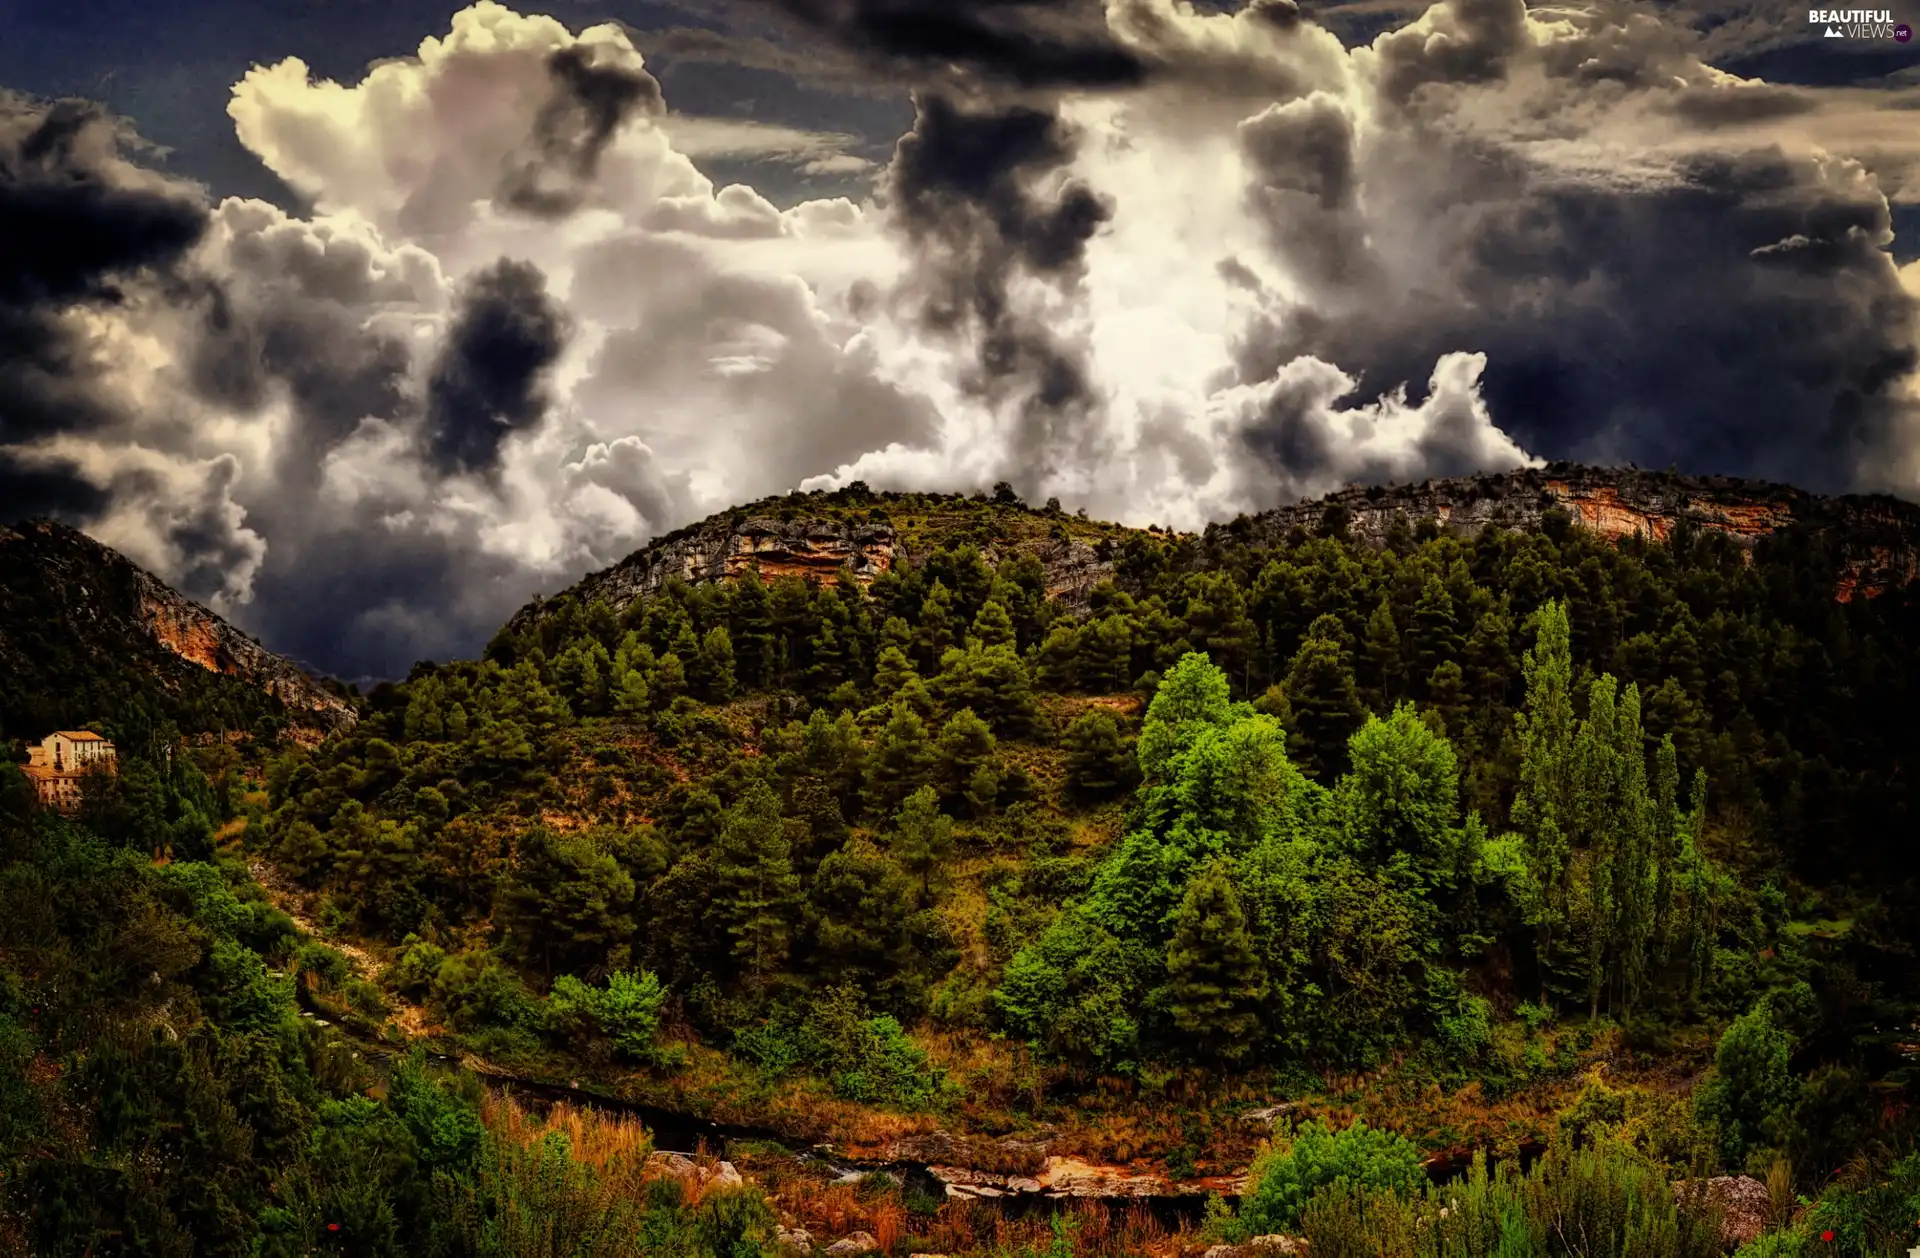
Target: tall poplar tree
x=1542, y=806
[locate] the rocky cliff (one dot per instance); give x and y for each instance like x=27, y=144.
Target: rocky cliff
x=80, y=615
x=815, y=536
x=1877, y=537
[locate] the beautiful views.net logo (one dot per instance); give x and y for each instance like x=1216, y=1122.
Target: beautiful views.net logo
x=1860, y=24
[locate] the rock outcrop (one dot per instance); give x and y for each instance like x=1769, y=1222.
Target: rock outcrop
x=818, y=546
x=1742, y=1201
x=198, y=636
x=78, y=611
x=1877, y=537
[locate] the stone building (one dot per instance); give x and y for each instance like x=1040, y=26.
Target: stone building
x=61, y=762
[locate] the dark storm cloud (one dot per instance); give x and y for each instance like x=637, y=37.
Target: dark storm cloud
x=1304, y=187
x=335, y=370
x=78, y=223
x=490, y=379
x=593, y=97
x=57, y=489
x=1024, y=43
x=1741, y=318
x=964, y=187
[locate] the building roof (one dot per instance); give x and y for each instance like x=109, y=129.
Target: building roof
x=79, y=735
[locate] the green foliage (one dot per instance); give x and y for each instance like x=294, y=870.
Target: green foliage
x=1752, y=1089
x=1287, y=1175
x=624, y=1013
x=1215, y=984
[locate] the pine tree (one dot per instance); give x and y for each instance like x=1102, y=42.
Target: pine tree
x=923, y=840
x=1099, y=761
x=1106, y=655
x=1633, y=859
x=993, y=626
x=750, y=615
x=1214, y=981
x=966, y=746
x=1447, y=696
x=1385, y=678
x=938, y=629
x=758, y=893
x=1326, y=704
x=1596, y=774
x=1057, y=666
x=892, y=673
x=900, y=762
x=631, y=697
x=1435, y=638
x=716, y=662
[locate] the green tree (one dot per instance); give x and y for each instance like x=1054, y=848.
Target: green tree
x=757, y=895
x=993, y=626
x=1214, y=982
x=1400, y=801
x=1326, y=704
x=923, y=839
x=566, y=905
x=901, y=761
x=1543, y=806
x=1752, y=1089
x=716, y=664
x=967, y=749
x=1100, y=761
x=1385, y=668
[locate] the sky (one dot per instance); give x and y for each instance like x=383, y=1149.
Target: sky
x=365, y=321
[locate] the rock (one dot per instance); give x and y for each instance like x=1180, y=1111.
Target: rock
x=1743, y=1202
x=1274, y=1246
x=854, y=1245
x=1268, y=1115
x=680, y=1166
x=795, y=1240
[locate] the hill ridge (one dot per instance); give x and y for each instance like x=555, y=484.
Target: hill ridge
x=814, y=534
x=70, y=590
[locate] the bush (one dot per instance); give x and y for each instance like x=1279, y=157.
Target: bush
x=413, y=971
x=624, y=1015
x=1285, y=1177
x=475, y=991
x=316, y=963
x=1752, y=1091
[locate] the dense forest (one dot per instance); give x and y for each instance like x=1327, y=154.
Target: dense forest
x=1593, y=857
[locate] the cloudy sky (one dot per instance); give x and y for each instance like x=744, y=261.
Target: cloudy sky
x=365, y=320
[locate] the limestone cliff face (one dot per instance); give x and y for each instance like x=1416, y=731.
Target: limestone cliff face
x=1877, y=537
x=200, y=637
x=71, y=597
x=727, y=546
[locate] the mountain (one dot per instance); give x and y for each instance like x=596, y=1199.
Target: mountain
x=1874, y=540
x=85, y=630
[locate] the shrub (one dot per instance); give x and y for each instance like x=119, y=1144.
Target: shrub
x=625, y=1013
x=1285, y=1177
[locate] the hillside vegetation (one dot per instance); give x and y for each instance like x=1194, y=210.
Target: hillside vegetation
x=1522, y=842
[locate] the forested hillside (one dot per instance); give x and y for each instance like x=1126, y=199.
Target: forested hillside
x=1592, y=855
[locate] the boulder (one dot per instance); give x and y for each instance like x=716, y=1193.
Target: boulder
x=853, y=1246
x=680, y=1166
x=1743, y=1202
x=794, y=1240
